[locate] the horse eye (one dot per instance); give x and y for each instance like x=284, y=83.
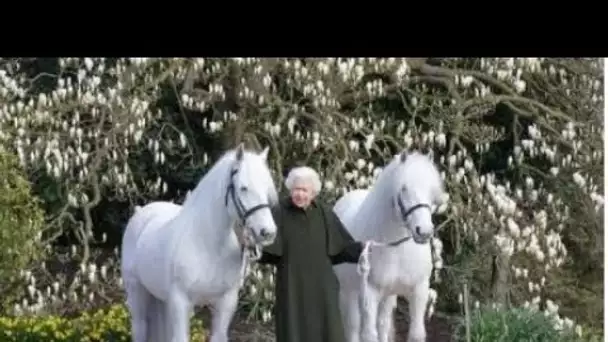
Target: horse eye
x=244, y=188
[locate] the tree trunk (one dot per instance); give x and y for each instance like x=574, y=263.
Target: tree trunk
x=233, y=134
x=500, y=279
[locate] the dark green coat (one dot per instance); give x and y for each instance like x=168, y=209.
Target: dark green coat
x=308, y=243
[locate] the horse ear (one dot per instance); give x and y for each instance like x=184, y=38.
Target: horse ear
x=240, y=152
x=426, y=150
x=264, y=153
x=403, y=156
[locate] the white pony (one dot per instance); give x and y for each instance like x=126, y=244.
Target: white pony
x=397, y=212
x=175, y=257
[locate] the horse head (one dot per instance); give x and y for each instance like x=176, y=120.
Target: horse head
x=417, y=188
x=250, y=195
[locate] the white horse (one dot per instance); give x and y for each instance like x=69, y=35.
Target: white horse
x=175, y=257
x=396, y=211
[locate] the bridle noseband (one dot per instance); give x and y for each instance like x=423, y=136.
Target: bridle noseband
x=404, y=215
x=241, y=210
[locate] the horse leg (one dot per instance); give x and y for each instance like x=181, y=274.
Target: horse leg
x=223, y=311
x=369, y=314
x=178, y=310
x=349, y=306
x=138, y=301
x=418, y=300
x=385, y=318
x=157, y=320
x=391, y=332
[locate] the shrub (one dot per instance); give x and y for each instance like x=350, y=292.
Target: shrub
x=66, y=284
x=257, y=294
x=520, y=325
x=110, y=324
x=21, y=222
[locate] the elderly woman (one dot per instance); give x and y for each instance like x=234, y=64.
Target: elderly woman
x=310, y=240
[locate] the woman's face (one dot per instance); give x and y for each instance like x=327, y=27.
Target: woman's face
x=302, y=193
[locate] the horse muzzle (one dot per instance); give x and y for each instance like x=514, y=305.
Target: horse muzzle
x=421, y=239
x=263, y=236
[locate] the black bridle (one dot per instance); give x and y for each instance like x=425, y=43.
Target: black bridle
x=242, y=212
x=404, y=215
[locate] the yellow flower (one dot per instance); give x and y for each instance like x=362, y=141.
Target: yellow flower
x=101, y=325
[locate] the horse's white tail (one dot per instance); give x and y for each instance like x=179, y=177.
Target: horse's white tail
x=157, y=324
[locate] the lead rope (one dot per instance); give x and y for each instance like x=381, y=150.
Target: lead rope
x=363, y=265
x=244, y=266
x=363, y=268
x=248, y=255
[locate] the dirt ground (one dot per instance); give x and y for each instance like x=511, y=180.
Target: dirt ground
x=438, y=329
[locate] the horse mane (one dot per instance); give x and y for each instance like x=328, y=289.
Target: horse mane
x=418, y=171
x=217, y=178
x=417, y=166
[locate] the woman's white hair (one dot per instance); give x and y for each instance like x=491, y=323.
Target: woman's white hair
x=304, y=173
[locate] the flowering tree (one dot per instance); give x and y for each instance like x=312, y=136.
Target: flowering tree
x=518, y=141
